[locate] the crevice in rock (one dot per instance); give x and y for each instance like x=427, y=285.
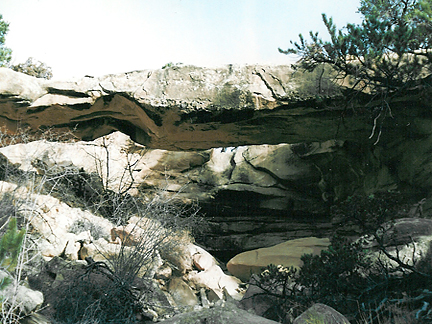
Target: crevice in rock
x=96, y=115
x=284, y=184
x=157, y=118
x=233, y=165
x=268, y=86
x=279, y=81
x=224, y=116
x=78, y=107
x=68, y=92
x=17, y=101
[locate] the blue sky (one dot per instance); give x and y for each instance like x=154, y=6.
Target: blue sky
x=97, y=37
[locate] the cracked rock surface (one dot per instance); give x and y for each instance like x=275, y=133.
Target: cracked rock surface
x=176, y=108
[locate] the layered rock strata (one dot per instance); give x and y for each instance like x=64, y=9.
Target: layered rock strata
x=177, y=108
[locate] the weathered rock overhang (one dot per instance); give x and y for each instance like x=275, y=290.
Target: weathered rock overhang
x=180, y=108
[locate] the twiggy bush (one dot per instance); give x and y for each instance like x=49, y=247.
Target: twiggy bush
x=145, y=229
x=26, y=135
x=105, y=292
x=19, y=254
x=80, y=189
x=97, y=295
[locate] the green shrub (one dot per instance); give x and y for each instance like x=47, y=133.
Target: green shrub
x=368, y=212
x=34, y=68
x=10, y=246
x=338, y=277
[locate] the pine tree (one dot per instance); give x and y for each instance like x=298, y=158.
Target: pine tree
x=10, y=246
x=5, y=53
x=34, y=68
x=388, y=53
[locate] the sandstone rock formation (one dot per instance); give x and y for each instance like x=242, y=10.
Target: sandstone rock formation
x=177, y=108
x=221, y=314
x=257, y=146
x=286, y=254
x=407, y=239
x=253, y=196
x=261, y=151
x=256, y=189
x=320, y=313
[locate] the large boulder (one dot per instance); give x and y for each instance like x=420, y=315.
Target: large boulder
x=182, y=293
x=21, y=299
x=320, y=313
x=224, y=313
x=215, y=280
x=405, y=231
x=406, y=239
x=287, y=254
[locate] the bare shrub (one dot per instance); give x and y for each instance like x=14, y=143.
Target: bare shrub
x=18, y=246
x=97, y=295
x=19, y=190
x=80, y=226
x=104, y=293
x=26, y=135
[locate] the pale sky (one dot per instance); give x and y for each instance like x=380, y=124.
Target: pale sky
x=98, y=37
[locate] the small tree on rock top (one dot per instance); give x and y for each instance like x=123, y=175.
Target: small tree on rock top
x=388, y=52
x=5, y=53
x=34, y=68
x=386, y=56
x=10, y=245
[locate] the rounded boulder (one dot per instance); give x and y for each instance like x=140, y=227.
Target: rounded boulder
x=288, y=254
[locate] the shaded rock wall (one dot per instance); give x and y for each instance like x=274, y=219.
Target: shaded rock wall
x=261, y=195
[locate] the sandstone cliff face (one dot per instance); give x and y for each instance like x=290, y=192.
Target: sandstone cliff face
x=181, y=107
x=261, y=151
